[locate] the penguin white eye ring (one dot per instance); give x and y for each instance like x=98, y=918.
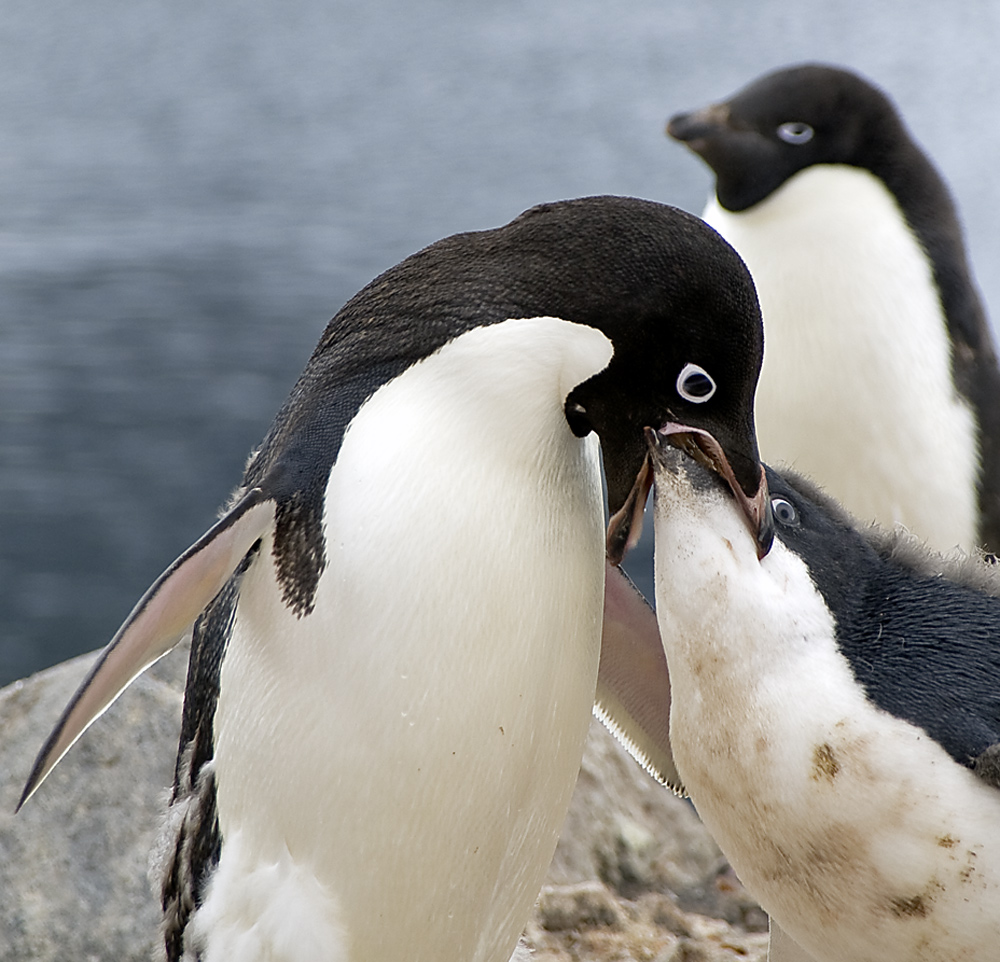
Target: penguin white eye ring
x=695, y=384
x=785, y=512
x=795, y=132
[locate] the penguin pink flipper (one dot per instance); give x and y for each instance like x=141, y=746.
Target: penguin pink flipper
x=161, y=619
x=633, y=684
x=781, y=948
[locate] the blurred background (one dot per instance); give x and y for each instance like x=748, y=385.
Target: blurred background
x=191, y=190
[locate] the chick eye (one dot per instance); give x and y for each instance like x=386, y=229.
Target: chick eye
x=784, y=511
x=795, y=132
x=695, y=384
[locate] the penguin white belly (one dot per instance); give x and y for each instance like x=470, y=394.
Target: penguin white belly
x=856, y=347
x=404, y=755
x=814, y=794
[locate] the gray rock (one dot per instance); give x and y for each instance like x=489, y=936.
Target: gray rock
x=587, y=921
x=636, y=836
x=73, y=861
x=629, y=831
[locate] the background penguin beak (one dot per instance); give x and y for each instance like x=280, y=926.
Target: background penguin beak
x=700, y=445
x=698, y=126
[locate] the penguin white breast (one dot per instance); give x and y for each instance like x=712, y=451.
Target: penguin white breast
x=854, y=829
x=405, y=753
x=856, y=352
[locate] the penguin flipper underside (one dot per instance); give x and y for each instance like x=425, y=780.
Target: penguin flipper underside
x=780, y=948
x=633, y=683
x=161, y=619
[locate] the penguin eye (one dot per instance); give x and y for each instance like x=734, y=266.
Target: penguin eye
x=695, y=384
x=795, y=132
x=785, y=512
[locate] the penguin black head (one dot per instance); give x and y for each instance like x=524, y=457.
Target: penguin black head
x=786, y=121
x=682, y=314
x=675, y=300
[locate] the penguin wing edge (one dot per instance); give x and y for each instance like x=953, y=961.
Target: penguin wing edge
x=633, y=683
x=160, y=620
x=781, y=948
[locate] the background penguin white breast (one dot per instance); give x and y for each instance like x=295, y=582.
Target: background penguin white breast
x=856, y=354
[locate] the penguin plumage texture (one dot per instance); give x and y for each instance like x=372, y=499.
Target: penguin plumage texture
x=397, y=623
x=836, y=719
x=880, y=377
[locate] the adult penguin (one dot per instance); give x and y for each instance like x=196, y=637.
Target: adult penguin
x=880, y=378
x=397, y=622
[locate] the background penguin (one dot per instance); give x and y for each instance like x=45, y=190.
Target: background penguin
x=880, y=378
x=836, y=720
x=397, y=622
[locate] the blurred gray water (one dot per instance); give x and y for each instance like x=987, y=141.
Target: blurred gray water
x=190, y=190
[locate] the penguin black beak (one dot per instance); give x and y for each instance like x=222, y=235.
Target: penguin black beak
x=703, y=448
x=699, y=126
x=625, y=524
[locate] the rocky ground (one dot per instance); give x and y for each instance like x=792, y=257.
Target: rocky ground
x=635, y=876
x=589, y=921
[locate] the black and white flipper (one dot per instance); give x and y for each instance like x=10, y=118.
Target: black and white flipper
x=159, y=622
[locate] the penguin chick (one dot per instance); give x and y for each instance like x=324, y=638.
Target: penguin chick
x=835, y=719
